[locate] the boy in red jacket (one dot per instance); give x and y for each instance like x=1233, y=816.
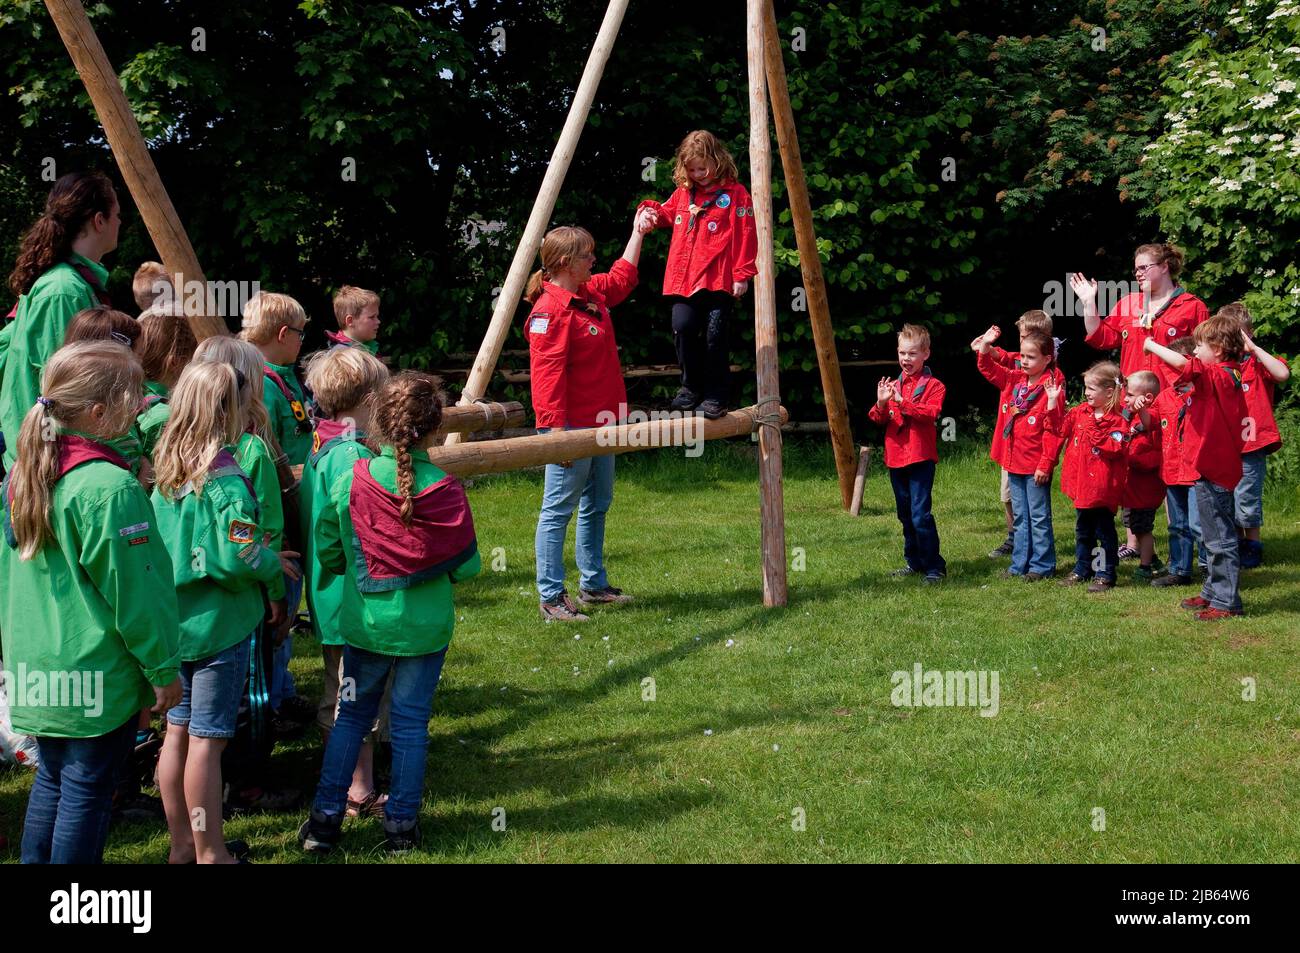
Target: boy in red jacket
x=1213, y=441
x=710, y=262
x=1260, y=371
x=1023, y=447
x=908, y=407
x=1144, y=491
x=1094, y=472
x=1170, y=412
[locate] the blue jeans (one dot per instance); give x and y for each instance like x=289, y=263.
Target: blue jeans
x=1219, y=534
x=1184, y=528
x=282, y=684
x=1248, y=497
x=1095, y=528
x=72, y=797
x=588, y=486
x=912, y=486
x=1033, y=544
x=414, y=680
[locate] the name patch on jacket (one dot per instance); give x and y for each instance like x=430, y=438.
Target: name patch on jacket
x=539, y=324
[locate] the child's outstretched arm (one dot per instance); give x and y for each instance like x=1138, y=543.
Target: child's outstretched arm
x=1276, y=369
x=994, y=371
x=1170, y=357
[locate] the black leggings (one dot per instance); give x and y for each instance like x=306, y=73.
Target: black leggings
x=700, y=331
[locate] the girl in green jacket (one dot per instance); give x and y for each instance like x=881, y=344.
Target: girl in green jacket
x=401, y=533
x=89, y=618
x=210, y=521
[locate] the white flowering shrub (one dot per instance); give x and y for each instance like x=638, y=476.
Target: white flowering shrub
x=1225, y=175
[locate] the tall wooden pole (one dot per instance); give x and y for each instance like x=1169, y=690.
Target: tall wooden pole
x=513, y=289
x=138, y=171
x=765, y=333
x=828, y=360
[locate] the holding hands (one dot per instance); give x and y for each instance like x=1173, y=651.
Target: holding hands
x=645, y=221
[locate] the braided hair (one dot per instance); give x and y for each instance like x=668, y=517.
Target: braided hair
x=407, y=410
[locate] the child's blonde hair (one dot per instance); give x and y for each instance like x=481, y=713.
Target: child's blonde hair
x=352, y=300
x=408, y=409
x=560, y=246
x=1035, y=320
x=144, y=286
x=1106, y=374
x=266, y=313
x=247, y=359
x=343, y=378
x=75, y=378
x=704, y=146
x=915, y=334
x=1145, y=381
x=208, y=407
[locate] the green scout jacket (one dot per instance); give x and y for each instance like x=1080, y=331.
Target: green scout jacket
x=94, y=610
x=149, y=424
x=254, y=458
x=220, y=562
x=294, y=434
x=44, y=314
x=417, y=620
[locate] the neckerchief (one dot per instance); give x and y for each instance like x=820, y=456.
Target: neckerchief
x=697, y=210
x=1022, y=395
x=1147, y=320
x=923, y=377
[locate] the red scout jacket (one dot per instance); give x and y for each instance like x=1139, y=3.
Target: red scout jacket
x=713, y=249
x=1096, y=466
x=1122, y=328
x=1021, y=442
x=572, y=353
x=910, y=432
x=1145, y=490
x=1257, y=386
x=1170, y=408
x=1213, y=428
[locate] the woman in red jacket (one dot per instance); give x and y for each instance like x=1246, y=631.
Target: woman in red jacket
x=577, y=382
x=1095, y=470
x=710, y=262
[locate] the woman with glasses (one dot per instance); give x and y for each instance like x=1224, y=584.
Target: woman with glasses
x=1159, y=309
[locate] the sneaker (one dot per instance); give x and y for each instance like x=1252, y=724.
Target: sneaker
x=562, y=609
x=1145, y=573
x=1196, y=602
x=1101, y=585
x=686, y=399
x=1214, y=615
x=1172, y=580
x=1128, y=552
x=905, y=571
x=320, y=833
x=712, y=408
x=1073, y=579
x=1158, y=566
x=1036, y=576
x=1003, y=550
x=931, y=578
x=1252, y=554
x=591, y=597
x=402, y=836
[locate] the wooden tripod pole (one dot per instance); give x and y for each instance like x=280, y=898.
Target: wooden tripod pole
x=513, y=289
x=138, y=171
x=828, y=361
x=772, y=507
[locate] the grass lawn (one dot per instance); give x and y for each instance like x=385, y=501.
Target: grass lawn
x=763, y=717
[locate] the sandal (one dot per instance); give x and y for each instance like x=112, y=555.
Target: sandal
x=372, y=805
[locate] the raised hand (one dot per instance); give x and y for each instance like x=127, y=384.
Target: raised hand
x=992, y=334
x=1053, y=391
x=884, y=391
x=1085, y=289
x=1141, y=402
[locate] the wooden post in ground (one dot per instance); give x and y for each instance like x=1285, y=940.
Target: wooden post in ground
x=516, y=453
x=137, y=168
x=828, y=361
x=860, y=481
x=513, y=289
x=772, y=506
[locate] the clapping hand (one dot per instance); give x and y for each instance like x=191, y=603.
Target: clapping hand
x=1085, y=289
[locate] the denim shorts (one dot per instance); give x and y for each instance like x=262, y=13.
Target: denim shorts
x=1140, y=521
x=210, y=692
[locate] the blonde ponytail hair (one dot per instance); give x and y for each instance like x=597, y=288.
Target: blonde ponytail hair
x=560, y=247
x=1107, y=374
x=208, y=409
x=76, y=378
x=248, y=360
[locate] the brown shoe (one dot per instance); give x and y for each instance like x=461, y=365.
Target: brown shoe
x=1073, y=579
x=591, y=597
x=562, y=609
x=1102, y=585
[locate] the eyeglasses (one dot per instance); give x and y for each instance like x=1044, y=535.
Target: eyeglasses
x=302, y=332
x=1142, y=269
